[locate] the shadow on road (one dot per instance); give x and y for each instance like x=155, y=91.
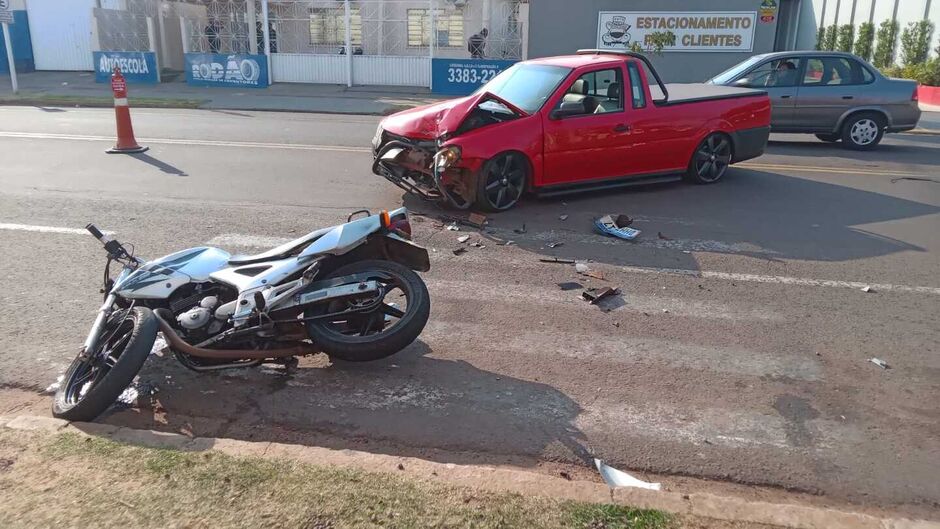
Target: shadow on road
x=895, y=150
x=161, y=165
x=754, y=213
x=411, y=404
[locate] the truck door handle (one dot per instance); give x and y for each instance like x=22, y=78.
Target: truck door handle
x=848, y=97
x=785, y=97
x=621, y=128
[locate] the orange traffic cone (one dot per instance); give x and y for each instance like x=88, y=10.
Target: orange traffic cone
x=126, y=144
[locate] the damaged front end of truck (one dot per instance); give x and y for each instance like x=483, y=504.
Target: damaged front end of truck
x=421, y=151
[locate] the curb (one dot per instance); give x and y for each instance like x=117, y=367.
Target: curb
x=486, y=478
x=923, y=132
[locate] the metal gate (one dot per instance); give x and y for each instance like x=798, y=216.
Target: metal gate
x=61, y=34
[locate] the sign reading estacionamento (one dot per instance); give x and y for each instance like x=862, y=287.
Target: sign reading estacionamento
x=699, y=31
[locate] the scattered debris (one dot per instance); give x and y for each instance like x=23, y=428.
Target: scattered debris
x=461, y=250
x=663, y=237
x=868, y=289
x=595, y=295
x=617, y=226
x=616, y=324
x=520, y=230
x=585, y=270
x=55, y=385
x=554, y=244
x=915, y=179
x=570, y=285
x=452, y=226
x=617, y=478
x=556, y=260
x=507, y=243
x=401, y=466
x=463, y=238
x=565, y=475
x=478, y=244
x=665, y=311
x=158, y=345
x=476, y=220
x=880, y=363
x=563, y=217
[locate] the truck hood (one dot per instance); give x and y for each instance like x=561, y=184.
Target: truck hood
x=431, y=122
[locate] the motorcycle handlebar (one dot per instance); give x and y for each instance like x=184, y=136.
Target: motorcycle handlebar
x=92, y=229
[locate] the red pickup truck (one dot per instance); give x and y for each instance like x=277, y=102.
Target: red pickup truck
x=562, y=124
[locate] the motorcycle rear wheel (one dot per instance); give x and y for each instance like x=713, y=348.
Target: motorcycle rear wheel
x=382, y=332
x=91, y=385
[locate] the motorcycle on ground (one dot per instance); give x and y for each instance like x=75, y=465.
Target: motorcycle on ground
x=349, y=291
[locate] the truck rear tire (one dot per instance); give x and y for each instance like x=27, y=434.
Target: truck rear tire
x=710, y=159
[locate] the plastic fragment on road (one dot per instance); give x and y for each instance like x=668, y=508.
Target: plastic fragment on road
x=617, y=478
x=453, y=226
x=867, y=290
x=554, y=244
x=557, y=260
x=616, y=226
x=595, y=295
x=563, y=217
x=463, y=238
x=55, y=385
x=158, y=345
x=880, y=363
x=476, y=220
x=585, y=270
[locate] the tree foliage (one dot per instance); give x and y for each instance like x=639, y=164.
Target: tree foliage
x=654, y=42
x=820, y=37
x=846, y=38
x=886, y=42
x=866, y=37
x=832, y=35
x=915, y=42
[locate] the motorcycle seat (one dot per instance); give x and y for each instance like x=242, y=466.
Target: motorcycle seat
x=280, y=252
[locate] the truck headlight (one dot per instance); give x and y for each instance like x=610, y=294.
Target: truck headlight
x=377, y=139
x=447, y=157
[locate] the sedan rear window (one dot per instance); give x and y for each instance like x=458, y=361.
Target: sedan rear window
x=527, y=86
x=825, y=71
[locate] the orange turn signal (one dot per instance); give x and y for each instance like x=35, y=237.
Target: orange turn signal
x=386, y=220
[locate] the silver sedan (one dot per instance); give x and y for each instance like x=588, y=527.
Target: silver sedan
x=834, y=95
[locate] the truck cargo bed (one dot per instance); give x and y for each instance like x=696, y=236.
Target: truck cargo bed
x=680, y=93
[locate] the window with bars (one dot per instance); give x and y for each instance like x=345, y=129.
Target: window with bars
x=449, y=26
x=328, y=26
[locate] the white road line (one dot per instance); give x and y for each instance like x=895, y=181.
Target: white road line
x=783, y=280
x=255, y=241
x=47, y=229
x=174, y=141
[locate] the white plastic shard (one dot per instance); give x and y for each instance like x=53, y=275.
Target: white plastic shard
x=616, y=478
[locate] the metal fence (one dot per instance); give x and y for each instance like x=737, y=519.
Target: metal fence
x=330, y=41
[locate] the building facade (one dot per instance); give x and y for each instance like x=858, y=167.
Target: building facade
x=414, y=42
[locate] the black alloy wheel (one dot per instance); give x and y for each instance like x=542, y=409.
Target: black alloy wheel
x=502, y=181
x=710, y=160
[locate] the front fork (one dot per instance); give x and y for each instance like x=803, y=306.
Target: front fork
x=91, y=342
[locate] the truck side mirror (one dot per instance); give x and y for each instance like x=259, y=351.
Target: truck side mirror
x=569, y=108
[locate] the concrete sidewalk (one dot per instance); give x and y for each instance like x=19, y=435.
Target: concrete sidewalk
x=291, y=97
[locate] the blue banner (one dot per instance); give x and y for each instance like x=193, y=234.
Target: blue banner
x=138, y=67
x=236, y=70
x=460, y=77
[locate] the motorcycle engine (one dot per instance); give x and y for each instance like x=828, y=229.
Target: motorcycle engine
x=200, y=316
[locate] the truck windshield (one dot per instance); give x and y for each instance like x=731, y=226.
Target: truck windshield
x=527, y=86
x=728, y=75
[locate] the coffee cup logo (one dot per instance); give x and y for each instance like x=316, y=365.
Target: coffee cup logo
x=617, y=29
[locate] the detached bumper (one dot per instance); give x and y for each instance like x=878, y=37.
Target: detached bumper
x=749, y=143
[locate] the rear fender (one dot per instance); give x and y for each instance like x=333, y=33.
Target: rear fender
x=388, y=247
x=869, y=108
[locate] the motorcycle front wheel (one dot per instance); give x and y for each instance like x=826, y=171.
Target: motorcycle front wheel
x=394, y=324
x=95, y=380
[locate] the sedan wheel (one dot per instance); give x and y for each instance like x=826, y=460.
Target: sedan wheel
x=862, y=132
x=502, y=181
x=710, y=160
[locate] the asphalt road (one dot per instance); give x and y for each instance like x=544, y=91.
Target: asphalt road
x=738, y=351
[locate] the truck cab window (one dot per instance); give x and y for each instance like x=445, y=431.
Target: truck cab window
x=600, y=92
